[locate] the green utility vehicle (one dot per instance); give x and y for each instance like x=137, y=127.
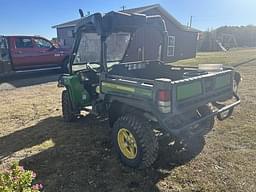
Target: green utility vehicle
x=143, y=96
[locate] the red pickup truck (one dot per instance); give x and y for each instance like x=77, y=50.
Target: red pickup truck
x=19, y=53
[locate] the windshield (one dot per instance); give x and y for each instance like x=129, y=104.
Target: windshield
x=89, y=50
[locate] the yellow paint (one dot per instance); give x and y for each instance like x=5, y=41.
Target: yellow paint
x=127, y=143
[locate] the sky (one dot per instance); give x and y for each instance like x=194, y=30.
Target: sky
x=36, y=17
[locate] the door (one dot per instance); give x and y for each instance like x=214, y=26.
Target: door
x=47, y=53
x=22, y=52
x=5, y=65
x=4, y=53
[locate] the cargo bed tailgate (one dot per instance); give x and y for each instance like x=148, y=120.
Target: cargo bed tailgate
x=196, y=91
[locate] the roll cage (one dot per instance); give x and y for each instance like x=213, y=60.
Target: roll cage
x=110, y=23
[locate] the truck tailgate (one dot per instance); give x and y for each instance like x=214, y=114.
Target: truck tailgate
x=196, y=91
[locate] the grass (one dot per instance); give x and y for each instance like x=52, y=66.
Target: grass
x=79, y=156
x=231, y=57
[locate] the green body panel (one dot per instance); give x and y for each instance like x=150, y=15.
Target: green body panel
x=107, y=87
x=223, y=81
x=195, y=88
x=184, y=90
x=78, y=94
x=144, y=92
x=189, y=90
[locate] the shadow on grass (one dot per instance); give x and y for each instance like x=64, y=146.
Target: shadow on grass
x=82, y=158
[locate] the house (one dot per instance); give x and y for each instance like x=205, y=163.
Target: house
x=66, y=33
x=181, y=41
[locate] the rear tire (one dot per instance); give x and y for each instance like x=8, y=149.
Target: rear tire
x=140, y=132
x=193, y=143
x=67, y=112
x=209, y=123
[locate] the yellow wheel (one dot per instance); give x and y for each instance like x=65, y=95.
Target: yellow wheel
x=127, y=143
x=135, y=141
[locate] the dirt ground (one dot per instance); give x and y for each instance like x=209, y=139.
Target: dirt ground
x=79, y=157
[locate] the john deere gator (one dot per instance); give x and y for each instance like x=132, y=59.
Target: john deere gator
x=141, y=96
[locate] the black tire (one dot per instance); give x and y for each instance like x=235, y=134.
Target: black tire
x=209, y=123
x=147, y=143
x=189, y=147
x=67, y=112
x=195, y=142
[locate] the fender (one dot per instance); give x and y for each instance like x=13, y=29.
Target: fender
x=78, y=94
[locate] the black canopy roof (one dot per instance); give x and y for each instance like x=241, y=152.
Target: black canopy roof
x=118, y=21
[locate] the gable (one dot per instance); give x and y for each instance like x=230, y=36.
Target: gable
x=158, y=10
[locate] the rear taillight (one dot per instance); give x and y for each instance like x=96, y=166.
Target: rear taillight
x=164, y=101
x=163, y=95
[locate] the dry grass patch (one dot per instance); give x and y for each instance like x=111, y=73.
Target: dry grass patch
x=79, y=157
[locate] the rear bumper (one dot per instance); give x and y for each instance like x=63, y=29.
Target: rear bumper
x=223, y=112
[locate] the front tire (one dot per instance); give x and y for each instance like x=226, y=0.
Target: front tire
x=67, y=111
x=135, y=141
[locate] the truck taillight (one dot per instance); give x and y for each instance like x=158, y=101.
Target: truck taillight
x=164, y=101
x=163, y=95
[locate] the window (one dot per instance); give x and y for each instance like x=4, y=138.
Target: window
x=89, y=49
x=24, y=42
x=117, y=44
x=171, y=46
x=42, y=43
x=62, y=42
x=71, y=33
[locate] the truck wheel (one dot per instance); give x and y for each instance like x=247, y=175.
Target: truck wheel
x=135, y=141
x=67, y=111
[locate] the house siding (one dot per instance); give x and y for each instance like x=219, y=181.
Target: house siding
x=145, y=45
x=149, y=40
x=185, y=41
x=65, y=36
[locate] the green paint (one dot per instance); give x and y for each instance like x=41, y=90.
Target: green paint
x=144, y=92
x=125, y=89
x=79, y=96
x=223, y=81
x=189, y=90
x=117, y=88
